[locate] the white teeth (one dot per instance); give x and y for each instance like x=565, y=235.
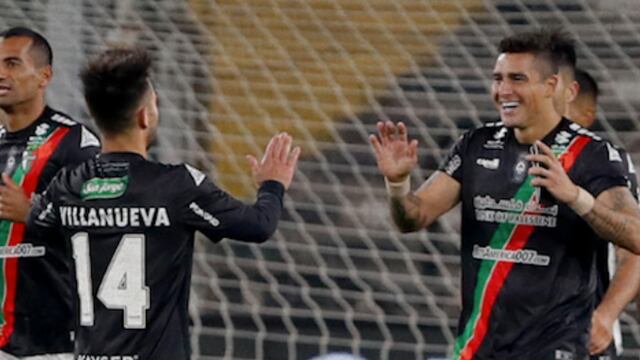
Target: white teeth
x=510, y=105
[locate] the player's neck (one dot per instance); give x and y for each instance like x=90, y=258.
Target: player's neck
x=20, y=116
x=132, y=143
x=542, y=126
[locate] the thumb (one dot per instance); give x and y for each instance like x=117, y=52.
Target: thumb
x=253, y=162
x=8, y=181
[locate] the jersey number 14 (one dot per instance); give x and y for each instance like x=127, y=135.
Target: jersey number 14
x=123, y=285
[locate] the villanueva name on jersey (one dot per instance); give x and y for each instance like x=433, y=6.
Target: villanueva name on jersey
x=79, y=216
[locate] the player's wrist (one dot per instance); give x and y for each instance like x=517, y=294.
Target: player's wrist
x=606, y=317
x=398, y=189
x=583, y=202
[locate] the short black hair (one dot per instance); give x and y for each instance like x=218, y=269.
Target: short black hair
x=115, y=83
x=588, y=85
x=39, y=44
x=554, y=46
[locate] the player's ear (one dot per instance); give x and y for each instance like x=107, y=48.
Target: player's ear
x=46, y=73
x=142, y=117
x=572, y=91
x=550, y=85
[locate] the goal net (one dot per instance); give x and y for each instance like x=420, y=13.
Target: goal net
x=337, y=276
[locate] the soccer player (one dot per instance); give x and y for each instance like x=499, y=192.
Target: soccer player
x=35, y=142
x=582, y=109
x=131, y=221
x=538, y=193
x=576, y=98
x=613, y=292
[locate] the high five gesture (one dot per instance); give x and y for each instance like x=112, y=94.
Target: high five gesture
x=396, y=155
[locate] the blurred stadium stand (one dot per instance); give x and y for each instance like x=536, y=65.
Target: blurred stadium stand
x=230, y=73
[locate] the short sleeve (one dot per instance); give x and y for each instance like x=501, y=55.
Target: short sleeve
x=601, y=168
x=452, y=165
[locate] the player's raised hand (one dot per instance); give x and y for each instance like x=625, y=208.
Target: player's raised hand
x=551, y=175
x=395, y=154
x=14, y=203
x=278, y=162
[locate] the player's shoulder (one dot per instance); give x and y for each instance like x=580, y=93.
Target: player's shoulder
x=489, y=129
x=193, y=175
x=79, y=133
x=182, y=174
x=69, y=179
x=577, y=130
x=489, y=136
x=593, y=145
x=59, y=118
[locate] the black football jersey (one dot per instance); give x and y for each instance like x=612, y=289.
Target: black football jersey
x=528, y=261
x=131, y=225
x=606, y=261
x=35, y=316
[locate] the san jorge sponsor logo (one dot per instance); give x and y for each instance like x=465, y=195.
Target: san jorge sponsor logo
x=104, y=188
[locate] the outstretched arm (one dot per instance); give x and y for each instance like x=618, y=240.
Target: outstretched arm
x=217, y=214
x=396, y=157
x=614, y=215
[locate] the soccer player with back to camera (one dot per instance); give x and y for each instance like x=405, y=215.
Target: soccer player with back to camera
x=618, y=270
x=36, y=141
x=131, y=221
x=538, y=193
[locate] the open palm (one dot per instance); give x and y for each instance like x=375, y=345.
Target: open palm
x=396, y=156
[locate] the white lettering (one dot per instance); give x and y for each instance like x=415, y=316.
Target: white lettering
x=163, y=217
x=147, y=215
x=515, y=218
x=93, y=218
x=122, y=217
x=108, y=357
x=106, y=217
x=77, y=216
x=83, y=220
x=203, y=214
x=134, y=217
x=64, y=212
x=522, y=256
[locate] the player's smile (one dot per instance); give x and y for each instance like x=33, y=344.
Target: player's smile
x=4, y=89
x=509, y=108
